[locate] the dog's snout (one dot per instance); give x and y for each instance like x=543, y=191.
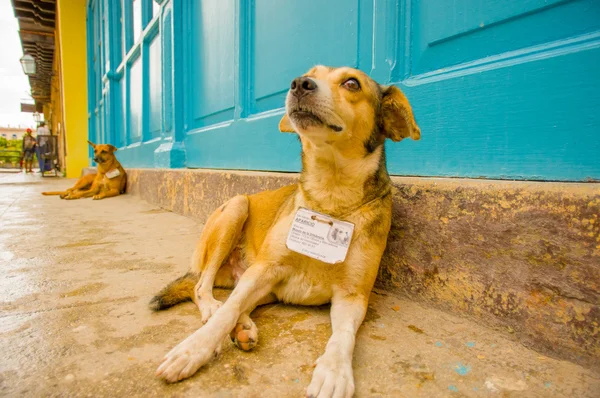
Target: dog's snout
x=302, y=85
x=96, y=159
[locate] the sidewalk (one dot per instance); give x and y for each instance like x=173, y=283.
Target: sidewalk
x=76, y=277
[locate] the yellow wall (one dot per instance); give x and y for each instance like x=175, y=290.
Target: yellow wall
x=73, y=50
x=55, y=116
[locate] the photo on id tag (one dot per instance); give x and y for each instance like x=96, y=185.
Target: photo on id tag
x=339, y=235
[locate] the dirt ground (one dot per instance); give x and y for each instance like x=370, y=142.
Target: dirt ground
x=76, y=278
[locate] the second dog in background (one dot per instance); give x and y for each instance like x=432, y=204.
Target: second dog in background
x=111, y=179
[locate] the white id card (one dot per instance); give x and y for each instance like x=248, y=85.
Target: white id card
x=320, y=236
x=113, y=173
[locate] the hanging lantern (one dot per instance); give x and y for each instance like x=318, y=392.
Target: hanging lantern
x=28, y=64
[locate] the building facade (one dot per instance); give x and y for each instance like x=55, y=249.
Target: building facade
x=503, y=90
x=53, y=32
x=12, y=133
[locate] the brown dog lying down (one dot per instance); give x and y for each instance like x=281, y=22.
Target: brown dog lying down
x=111, y=179
x=318, y=241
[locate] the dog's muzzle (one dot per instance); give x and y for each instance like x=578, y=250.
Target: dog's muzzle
x=301, y=98
x=302, y=86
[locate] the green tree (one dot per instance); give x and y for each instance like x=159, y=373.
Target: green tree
x=15, y=144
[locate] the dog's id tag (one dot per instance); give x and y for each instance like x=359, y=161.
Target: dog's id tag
x=113, y=173
x=320, y=236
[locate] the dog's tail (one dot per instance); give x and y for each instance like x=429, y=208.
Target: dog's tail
x=178, y=291
x=52, y=193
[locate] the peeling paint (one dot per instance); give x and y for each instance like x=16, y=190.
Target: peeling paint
x=461, y=369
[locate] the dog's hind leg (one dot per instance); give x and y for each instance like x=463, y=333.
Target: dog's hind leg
x=82, y=184
x=219, y=238
x=107, y=194
x=209, y=266
x=83, y=194
x=61, y=193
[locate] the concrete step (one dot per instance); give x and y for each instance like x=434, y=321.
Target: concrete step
x=76, y=277
x=521, y=257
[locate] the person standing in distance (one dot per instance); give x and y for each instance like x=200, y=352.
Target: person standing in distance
x=28, y=150
x=42, y=136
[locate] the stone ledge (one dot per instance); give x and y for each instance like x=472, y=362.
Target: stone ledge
x=523, y=257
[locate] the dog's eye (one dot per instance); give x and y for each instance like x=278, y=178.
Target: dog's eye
x=352, y=84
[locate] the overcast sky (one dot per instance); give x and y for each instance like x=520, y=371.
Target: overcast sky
x=14, y=85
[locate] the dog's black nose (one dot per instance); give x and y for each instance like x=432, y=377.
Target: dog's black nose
x=302, y=85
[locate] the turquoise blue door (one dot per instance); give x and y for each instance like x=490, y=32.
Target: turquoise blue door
x=501, y=89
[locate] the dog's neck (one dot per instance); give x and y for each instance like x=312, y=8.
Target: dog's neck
x=338, y=184
x=108, y=166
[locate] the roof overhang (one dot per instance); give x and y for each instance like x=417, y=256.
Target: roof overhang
x=37, y=20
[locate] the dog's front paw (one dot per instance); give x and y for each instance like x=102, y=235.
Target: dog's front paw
x=187, y=357
x=97, y=197
x=332, y=378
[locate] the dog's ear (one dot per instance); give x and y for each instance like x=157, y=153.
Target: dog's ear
x=92, y=144
x=112, y=148
x=398, y=121
x=285, y=126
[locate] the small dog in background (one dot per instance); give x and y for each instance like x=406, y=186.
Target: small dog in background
x=110, y=180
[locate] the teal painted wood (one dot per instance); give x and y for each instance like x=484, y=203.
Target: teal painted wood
x=155, y=89
x=212, y=66
x=505, y=91
x=500, y=89
x=135, y=99
x=167, y=72
x=90, y=74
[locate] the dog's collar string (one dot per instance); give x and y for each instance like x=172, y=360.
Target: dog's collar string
x=386, y=193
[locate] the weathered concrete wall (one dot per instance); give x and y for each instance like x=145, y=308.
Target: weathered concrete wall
x=523, y=257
